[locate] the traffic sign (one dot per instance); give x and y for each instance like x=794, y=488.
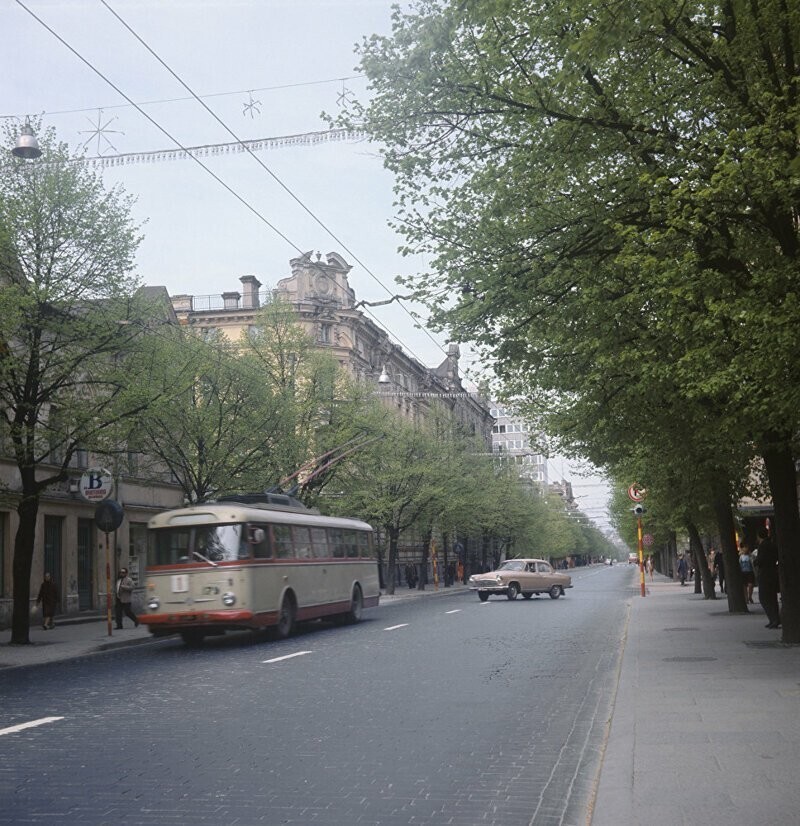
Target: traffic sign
x=108, y=515
x=648, y=539
x=96, y=484
x=636, y=494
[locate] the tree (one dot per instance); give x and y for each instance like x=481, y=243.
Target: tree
x=67, y=372
x=216, y=425
x=615, y=183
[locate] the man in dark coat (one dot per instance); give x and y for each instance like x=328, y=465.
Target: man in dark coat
x=767, y=562
x=49, y=599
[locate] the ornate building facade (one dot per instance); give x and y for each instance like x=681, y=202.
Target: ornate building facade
x=320, y=293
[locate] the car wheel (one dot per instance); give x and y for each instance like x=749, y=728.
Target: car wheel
x=483, y=595
x=555, y=592
x=285, y=624
x=527, y=594
x=513, y=590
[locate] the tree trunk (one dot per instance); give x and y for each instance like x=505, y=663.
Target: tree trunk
x=721, y=505
x=779, y=465
x=702, y=574
x=24, y=540
x=391, y=572
x=423, y=574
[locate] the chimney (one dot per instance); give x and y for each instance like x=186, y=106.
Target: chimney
x=250, y=287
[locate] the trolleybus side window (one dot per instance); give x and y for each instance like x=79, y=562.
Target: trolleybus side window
x=259, y=541
x=351, y=543
x=336, y=540
x=364, y=549
x=302, y=542
x=319, y=542
x=282, y=535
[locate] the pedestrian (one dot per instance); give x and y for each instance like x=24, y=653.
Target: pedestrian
x=719, y=569
x=748, y=575
x=650, y=566
x=767, y=564
x=49, y=599
x=683, y=569
x=124, y=592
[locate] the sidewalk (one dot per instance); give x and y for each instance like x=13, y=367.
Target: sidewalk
x=80, y=637
x=706, y=724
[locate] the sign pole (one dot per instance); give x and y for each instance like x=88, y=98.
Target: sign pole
x=641, y=554
x=108, y=588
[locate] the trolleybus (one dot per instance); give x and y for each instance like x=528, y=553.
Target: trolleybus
x=255, y=561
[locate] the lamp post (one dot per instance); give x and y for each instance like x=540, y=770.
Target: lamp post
x=26, y=147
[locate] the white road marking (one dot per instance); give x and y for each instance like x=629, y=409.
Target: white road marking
x=32, y=724
x=395, y=627
x=457, y=610
x=287, y=657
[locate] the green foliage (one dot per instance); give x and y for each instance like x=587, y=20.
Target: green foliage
x=608, y=193
x=69, y=366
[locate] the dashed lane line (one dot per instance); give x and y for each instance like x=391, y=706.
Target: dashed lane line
x=395, y=627
x=32, y=724
x=455, y=611
x=287, y=657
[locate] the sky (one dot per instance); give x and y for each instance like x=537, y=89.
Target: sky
x=267, y=69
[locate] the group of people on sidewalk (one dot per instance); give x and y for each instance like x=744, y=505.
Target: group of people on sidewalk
x=764, y=562
x=49, y=598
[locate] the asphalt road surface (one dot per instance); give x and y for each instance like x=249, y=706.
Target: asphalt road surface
x=440, y=710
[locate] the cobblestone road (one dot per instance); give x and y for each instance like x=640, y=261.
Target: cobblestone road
x=430, y=712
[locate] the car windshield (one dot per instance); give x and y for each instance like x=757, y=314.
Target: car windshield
x=512, y=565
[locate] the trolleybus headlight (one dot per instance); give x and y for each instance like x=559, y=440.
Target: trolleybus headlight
x=154, y=603
x=229, y=599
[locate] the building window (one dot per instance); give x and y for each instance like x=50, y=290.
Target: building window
x=324, y=335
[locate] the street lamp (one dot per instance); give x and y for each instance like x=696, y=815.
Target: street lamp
x=26, y=147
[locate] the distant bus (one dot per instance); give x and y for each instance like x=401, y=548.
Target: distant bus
x=256, y=561
x=633, y=558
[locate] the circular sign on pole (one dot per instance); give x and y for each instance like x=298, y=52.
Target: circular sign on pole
x=636, y=494
x=96, y=484
x=108, y=515
x=648, y=539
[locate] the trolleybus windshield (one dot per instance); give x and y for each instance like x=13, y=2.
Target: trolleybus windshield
x=200, y=543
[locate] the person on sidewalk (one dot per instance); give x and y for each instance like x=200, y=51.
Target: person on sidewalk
x=719, y=569
x=49, y=599
x=650, y=566
x=683, y=569
x=767, y=565
x=124, y=592
x=748, y=574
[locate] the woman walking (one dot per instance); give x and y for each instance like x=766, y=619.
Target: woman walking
x=49, y=599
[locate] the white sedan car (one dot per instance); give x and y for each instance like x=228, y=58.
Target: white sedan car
x=521, y=576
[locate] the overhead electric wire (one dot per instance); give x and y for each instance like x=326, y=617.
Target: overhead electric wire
x=258, y=160
x=196, y=160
